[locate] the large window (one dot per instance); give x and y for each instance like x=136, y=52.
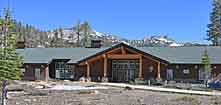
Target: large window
x=63, y=71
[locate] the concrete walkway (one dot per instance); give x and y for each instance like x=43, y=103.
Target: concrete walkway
x=160, y=89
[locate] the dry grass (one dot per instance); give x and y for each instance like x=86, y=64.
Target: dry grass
x=86, y=92
x=185, y=98
x=189, y=99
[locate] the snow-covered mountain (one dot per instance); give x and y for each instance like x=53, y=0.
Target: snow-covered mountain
x=163, y=41
x=70, y=35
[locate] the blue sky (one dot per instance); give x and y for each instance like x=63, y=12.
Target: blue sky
x=182, y=20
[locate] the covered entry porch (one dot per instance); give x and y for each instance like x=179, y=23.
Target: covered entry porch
x=121, y=64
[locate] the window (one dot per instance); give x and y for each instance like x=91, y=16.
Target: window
x=186, y=71
x=63, y=71
x=37, y=73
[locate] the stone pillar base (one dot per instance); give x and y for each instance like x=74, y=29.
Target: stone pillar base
x=141, y=78
x=104, y=79
x=88, y=79
x=159, y=80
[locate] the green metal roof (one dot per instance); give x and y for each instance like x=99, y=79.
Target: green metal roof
x=185, y=55
x=46, y=55
x=173, y=55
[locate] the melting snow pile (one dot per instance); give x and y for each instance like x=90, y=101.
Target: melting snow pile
x=68, y=87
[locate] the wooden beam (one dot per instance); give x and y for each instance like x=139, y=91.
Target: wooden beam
x=105, y=65
x=114, y=50
x=145, y=56
x=141, y=68
x=123, y=50
x=132, y=51
x=158, y=71
x=154, y=60
x=95, y=58
x=119, y=56
x=151, y=58
x=88, y=69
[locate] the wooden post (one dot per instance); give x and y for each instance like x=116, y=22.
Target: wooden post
x=141, y=68
x=158, y=71
x=46, y=73
x=88, y=69
x=105, y=65
x=104, y=78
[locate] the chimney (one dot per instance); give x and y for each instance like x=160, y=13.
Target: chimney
x=20, y=45
x=96, y=43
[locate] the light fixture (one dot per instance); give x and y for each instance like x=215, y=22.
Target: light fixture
x=196, y=67
x=151, y=68
x=177, y=66
x=42, y=66
x=26, y=66
x=214, y=67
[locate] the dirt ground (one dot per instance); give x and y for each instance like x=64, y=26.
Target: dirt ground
x=111, y=96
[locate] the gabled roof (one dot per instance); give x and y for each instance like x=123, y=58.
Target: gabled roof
x=173, y=55
x=103, y=50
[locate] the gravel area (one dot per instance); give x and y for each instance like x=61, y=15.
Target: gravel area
x=112, y=96
x=38, y=93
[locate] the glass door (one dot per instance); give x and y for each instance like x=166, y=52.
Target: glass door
x=125, y=70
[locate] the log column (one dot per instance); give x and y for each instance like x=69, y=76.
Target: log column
x=141, y=68
x=158, y=71
x=88, y=71
x=104, y=78
x=105, y=65
x=46, y=70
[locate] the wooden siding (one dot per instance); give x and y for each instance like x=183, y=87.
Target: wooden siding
x=178, y=72
x=147, y=74
x=29, y=73
x=216, y=69
x=96, y=72
x=79, y=71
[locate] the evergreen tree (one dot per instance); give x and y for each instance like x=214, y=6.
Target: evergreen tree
x=214, y=29
x=54, y=40
x=206, y=65
x=87, y=34
x=10, y=61
x=1, y=33
x=78, y=33
x=61, y=42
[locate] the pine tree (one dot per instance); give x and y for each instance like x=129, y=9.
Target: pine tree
x=206, y=65
x=54, y=40
x=214, y=29
x=61, y=38
x=87, y=34
x=10, y=61
x=78, y=33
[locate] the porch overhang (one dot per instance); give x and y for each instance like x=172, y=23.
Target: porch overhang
x=115, y=47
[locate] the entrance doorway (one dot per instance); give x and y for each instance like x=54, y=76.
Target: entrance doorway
x=125, y=70
x=63, y=71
